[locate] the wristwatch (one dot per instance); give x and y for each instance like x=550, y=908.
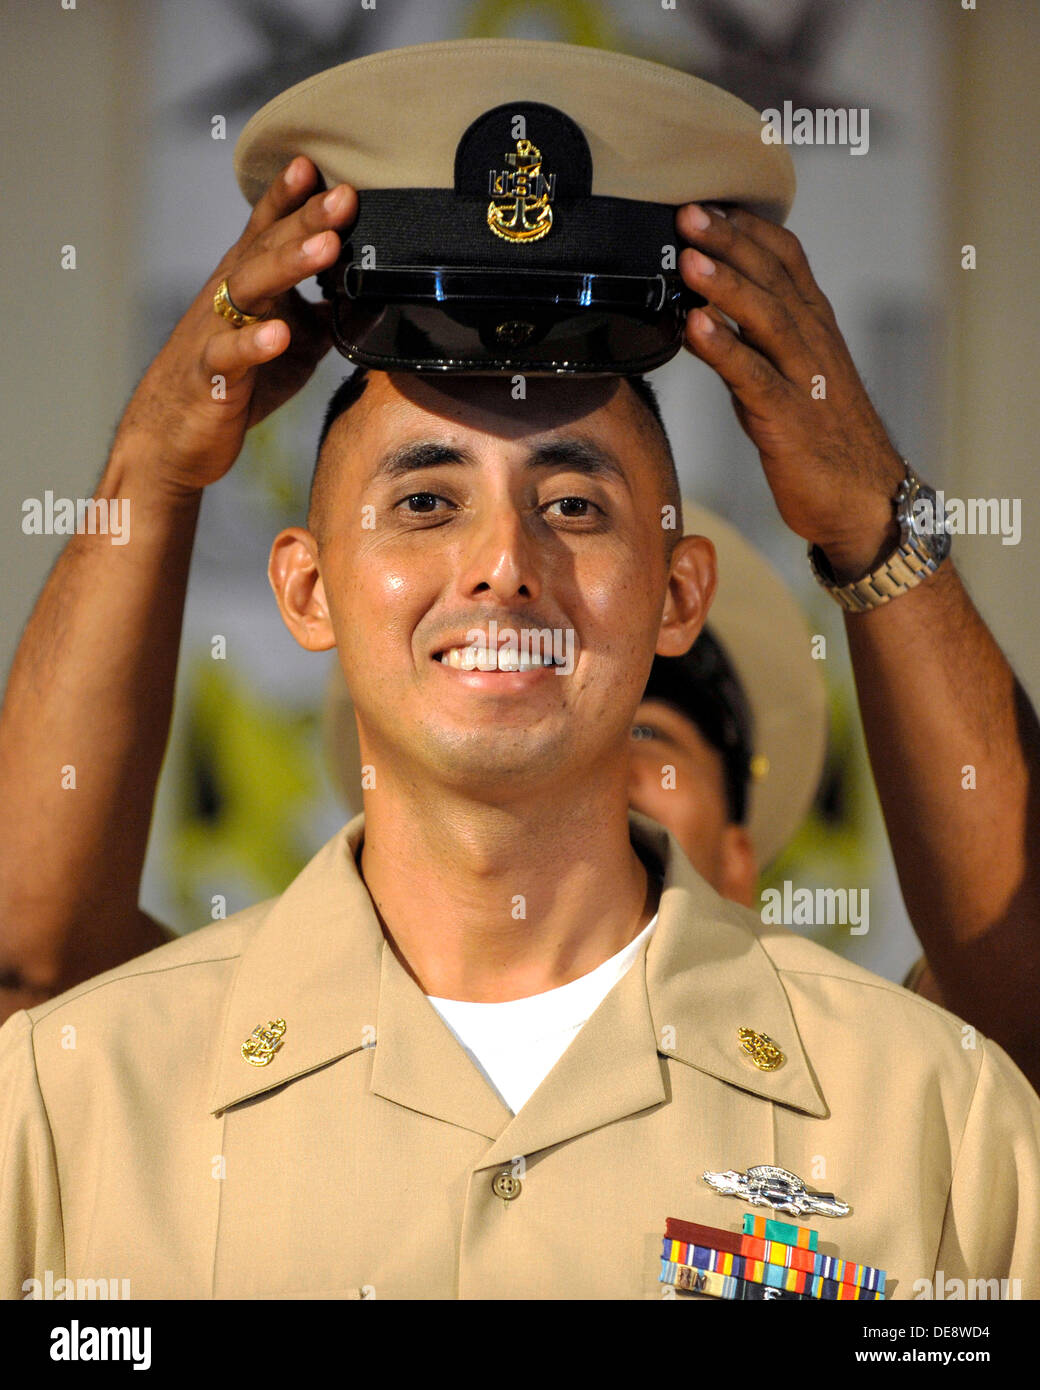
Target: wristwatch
x=924, y=544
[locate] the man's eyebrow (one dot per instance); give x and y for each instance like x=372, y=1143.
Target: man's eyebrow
x=409, y=458
x=577, y=453
x=580, y=455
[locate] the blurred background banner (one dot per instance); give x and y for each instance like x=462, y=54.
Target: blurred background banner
x=120, y=119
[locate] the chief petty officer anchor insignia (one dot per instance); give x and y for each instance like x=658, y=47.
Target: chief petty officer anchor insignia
x=264, y=1041
x=524, y=212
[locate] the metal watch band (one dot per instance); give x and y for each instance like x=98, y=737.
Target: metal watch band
x=900, y=573
x=908, y=565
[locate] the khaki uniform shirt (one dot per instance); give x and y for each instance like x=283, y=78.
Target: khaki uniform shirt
x=136, y=1141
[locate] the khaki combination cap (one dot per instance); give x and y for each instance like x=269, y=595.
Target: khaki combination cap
x=393, y=120
x=516, y=200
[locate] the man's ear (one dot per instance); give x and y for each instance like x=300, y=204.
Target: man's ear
x=691, y=588
x=297, y=584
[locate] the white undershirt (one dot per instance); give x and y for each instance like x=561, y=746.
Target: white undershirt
x=516, y=1044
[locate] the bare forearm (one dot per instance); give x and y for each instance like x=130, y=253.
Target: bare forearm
x=955, y=752
x=82, y=734
x=87, y=709
x=937, y=695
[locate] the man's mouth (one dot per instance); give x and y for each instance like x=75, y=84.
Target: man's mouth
x=505, y=659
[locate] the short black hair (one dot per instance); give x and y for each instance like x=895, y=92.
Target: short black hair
x=351, y=388
x=646, y=394
x=703, y=686
x=345, y=395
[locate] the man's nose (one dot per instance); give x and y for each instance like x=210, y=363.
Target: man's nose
x=501, y=557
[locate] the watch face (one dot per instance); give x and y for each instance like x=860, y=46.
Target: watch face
x=928, y=523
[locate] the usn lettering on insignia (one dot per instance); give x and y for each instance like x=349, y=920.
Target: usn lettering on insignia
x=521, y=196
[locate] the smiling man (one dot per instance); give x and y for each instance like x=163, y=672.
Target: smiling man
x=728, y=744
x=546, y=519
x=499, y=1037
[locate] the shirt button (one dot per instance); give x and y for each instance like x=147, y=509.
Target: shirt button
x=507, y=1187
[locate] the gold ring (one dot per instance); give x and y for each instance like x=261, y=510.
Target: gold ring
x=223, y=306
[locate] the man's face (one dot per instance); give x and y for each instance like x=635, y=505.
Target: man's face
x=453, y=506
x=678, y=779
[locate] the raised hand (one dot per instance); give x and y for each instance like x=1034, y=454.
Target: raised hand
x=200, y=423
x=795, y=388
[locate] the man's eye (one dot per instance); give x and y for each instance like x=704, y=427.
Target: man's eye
x=421, y=502
x=641, y=731
x=576, y=507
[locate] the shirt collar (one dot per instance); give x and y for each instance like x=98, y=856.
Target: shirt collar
x=708, y=975
x=319, y=961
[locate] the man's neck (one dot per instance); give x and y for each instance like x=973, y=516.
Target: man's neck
x=490, y=903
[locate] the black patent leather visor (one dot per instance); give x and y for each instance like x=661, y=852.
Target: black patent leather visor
x=475, y=319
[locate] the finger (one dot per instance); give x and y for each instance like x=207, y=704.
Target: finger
x=751, y=378
x=764, y=319
x=259, y=280
x=718, y=236
x=283, y=195
x=234, y=353
x=786, y=247
x=323, y=212
x=717, y=317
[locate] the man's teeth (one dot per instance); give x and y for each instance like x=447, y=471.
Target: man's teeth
x=481, y=659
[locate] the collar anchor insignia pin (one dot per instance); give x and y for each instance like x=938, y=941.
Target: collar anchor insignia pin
x=264, y=1041
x=761, y=1048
